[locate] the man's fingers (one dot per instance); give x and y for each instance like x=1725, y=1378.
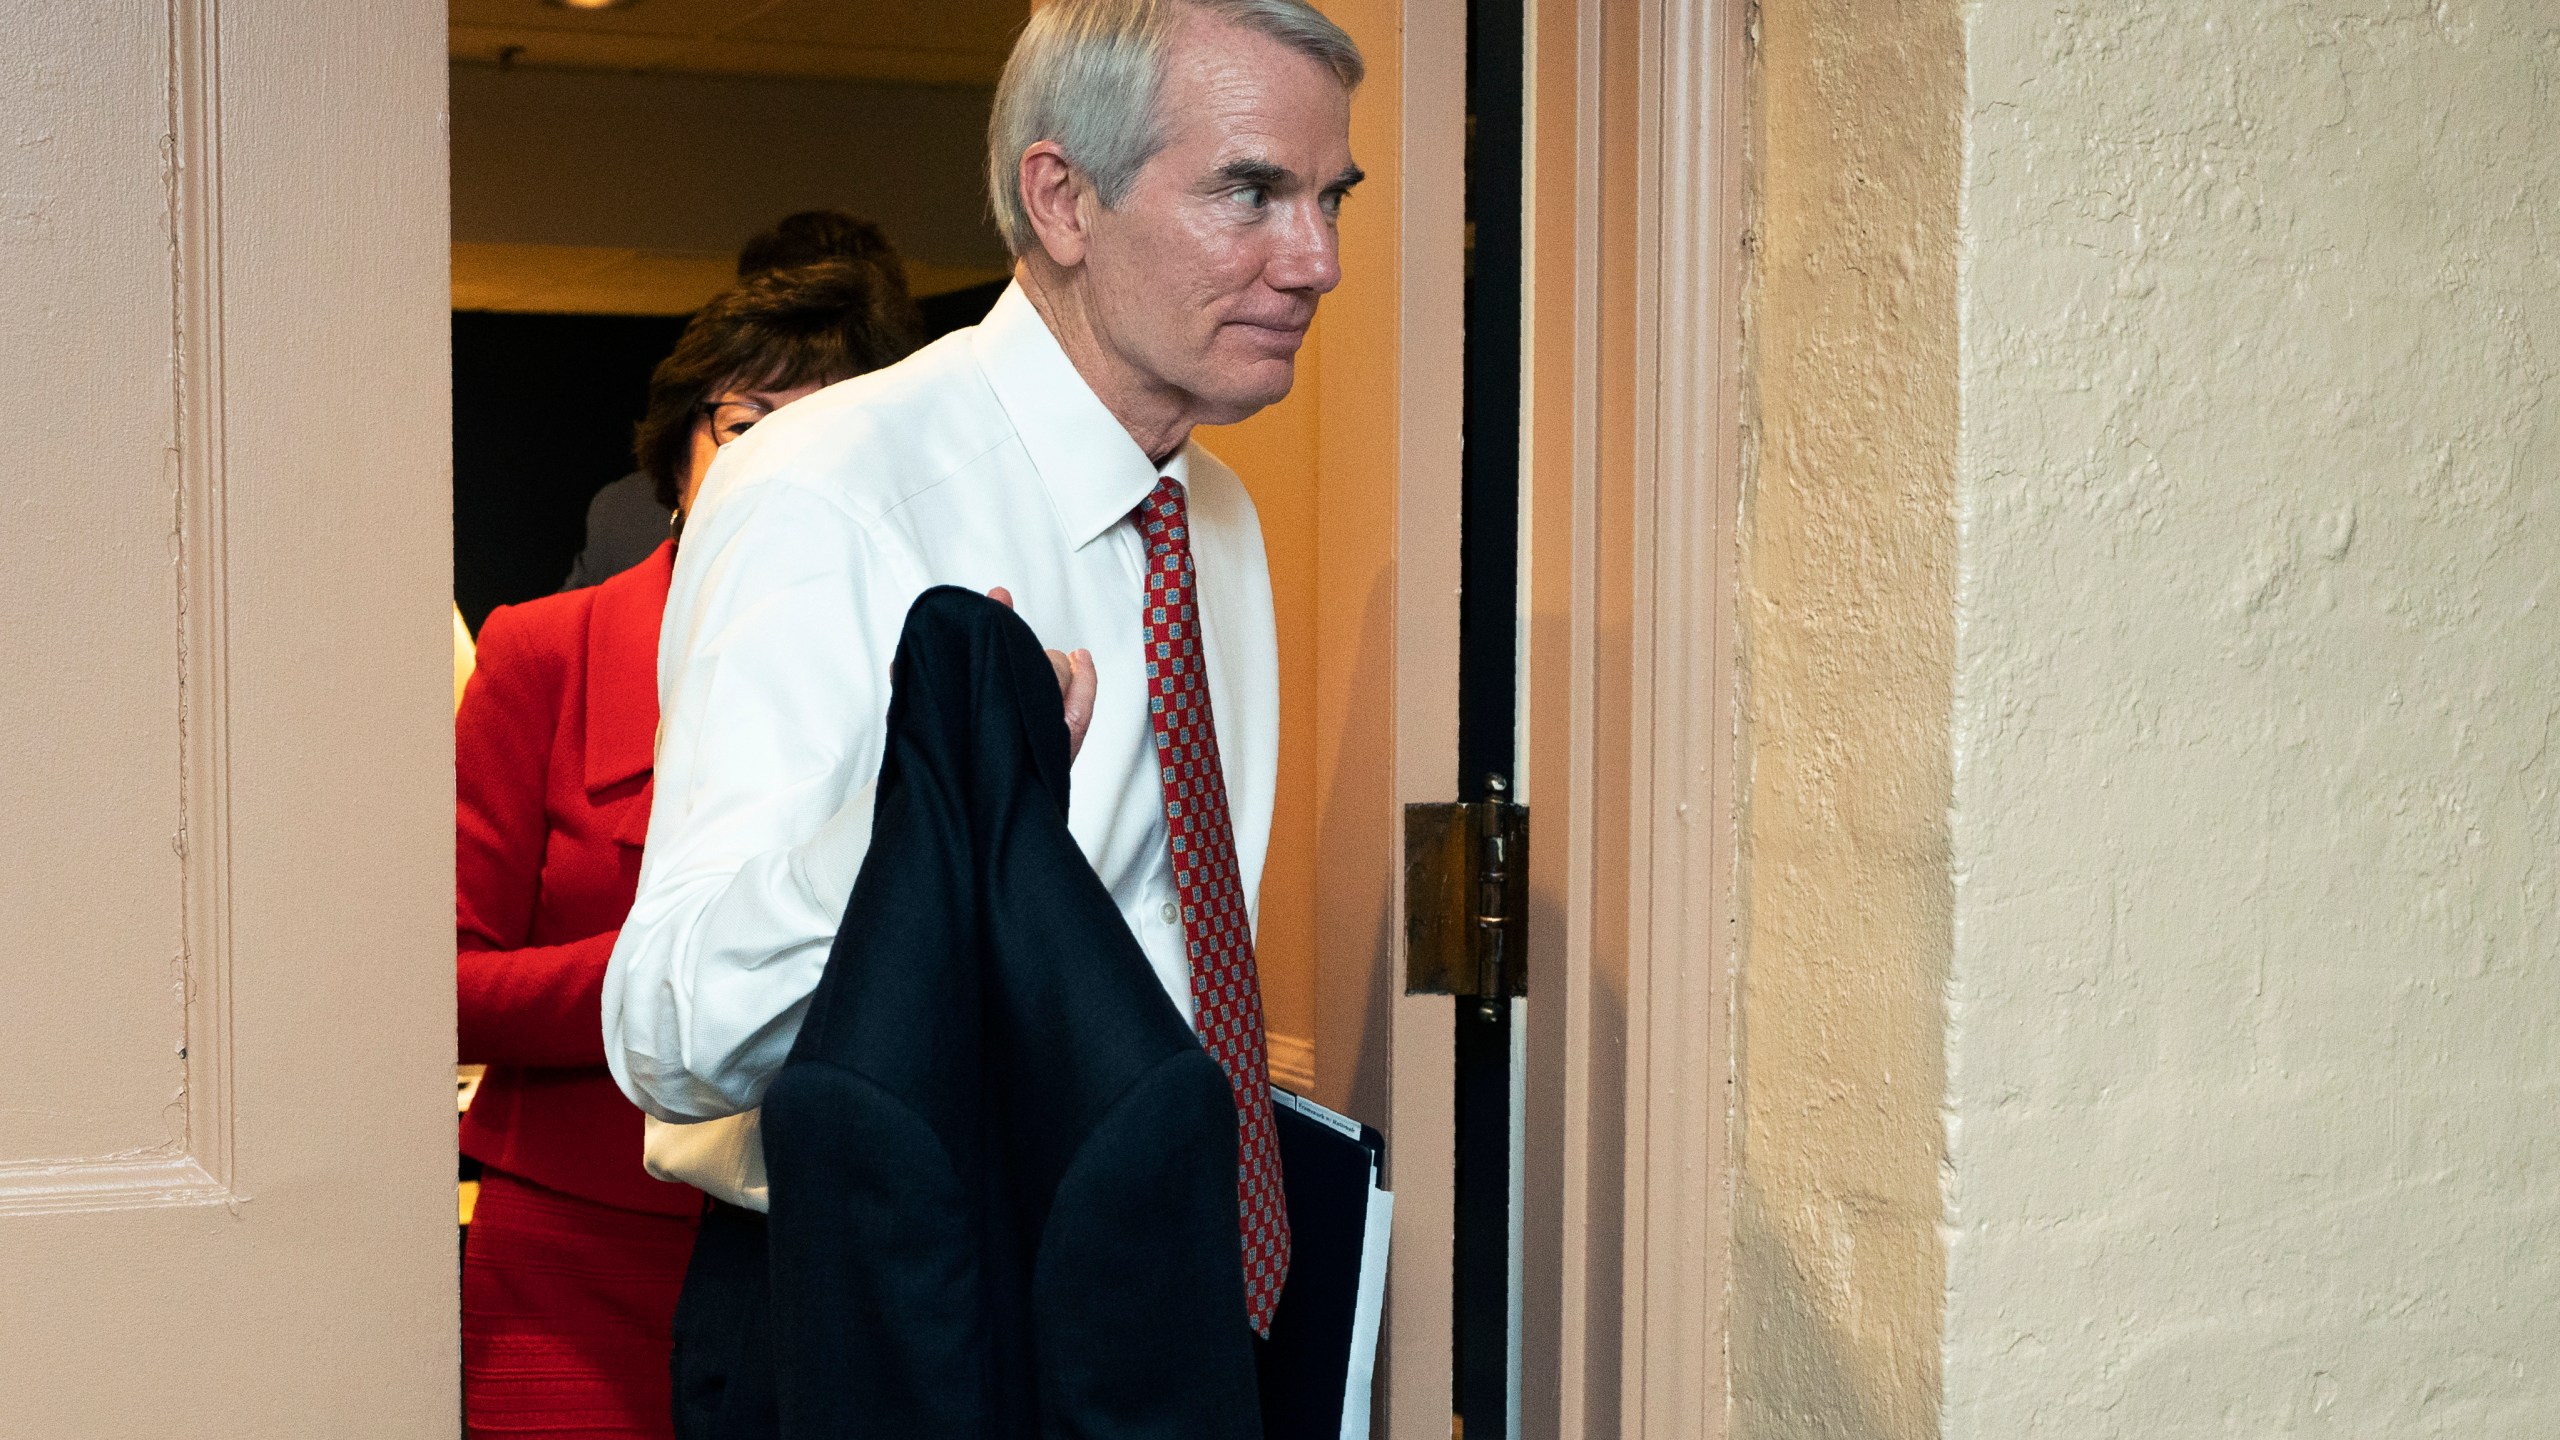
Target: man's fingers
x=1078, y=688
x=1076, y=685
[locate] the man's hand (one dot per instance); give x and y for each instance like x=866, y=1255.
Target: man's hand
x=1075, y=682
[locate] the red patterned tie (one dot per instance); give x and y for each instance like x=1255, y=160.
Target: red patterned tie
x=1226, y=994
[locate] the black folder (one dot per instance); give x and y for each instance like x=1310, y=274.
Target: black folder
x=1315, y=1380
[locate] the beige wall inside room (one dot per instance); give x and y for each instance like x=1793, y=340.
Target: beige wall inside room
x=2147, y=1022
x=588, y=191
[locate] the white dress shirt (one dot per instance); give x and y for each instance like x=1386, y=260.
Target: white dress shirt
x=982, y=460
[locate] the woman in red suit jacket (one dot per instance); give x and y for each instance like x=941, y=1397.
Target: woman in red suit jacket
x=575, y=1254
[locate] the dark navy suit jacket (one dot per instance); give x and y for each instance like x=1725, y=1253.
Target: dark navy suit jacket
x=1003, y=1169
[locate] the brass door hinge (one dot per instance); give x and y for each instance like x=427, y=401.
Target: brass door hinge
x=1466, y=900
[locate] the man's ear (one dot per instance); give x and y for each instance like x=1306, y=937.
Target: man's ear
x=1053, y=192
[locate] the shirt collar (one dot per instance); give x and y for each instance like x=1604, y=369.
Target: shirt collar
x=1094, y=472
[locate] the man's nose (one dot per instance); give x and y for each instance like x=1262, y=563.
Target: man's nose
x=1307, y=255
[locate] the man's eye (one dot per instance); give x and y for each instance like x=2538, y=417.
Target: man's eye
x=1253, y=196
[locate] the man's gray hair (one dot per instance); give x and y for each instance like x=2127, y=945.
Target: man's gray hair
x=1085, y=74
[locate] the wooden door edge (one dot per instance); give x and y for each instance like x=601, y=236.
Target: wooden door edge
x=1633, y=460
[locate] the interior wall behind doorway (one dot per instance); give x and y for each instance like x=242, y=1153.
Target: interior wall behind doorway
x=564, y=178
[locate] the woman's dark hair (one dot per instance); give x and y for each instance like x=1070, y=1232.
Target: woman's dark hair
x=814, y=235
x=810, y=324
x=809, y=236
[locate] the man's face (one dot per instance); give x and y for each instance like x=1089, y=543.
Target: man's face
x=1206, y=275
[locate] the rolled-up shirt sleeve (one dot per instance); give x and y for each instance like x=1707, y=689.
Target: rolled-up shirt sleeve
x=773, y=690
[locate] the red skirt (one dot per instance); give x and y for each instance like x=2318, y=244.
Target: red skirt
x=568, y=1314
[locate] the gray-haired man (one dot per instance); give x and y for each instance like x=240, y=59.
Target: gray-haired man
x=1168, y=174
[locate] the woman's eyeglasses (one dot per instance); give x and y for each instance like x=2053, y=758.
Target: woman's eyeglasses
x=730, y=418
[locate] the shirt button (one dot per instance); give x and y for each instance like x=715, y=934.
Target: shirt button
x=1171, y=915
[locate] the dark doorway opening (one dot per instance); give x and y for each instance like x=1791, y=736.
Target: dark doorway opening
x=543, y=407
x=1488, y=681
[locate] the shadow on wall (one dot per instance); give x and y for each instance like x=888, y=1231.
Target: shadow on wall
x=1358, y=983
x=1794, y=1373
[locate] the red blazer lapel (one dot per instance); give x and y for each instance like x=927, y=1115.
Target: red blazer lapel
x=622, y=682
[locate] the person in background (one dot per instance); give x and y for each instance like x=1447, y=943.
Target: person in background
x=628, y=518
x=575, y=1255
x=809, y=236
x=795, y=239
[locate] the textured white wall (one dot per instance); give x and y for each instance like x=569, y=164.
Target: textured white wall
x=2252, y=1049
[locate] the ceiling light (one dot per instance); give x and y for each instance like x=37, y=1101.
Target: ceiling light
x=591, y=4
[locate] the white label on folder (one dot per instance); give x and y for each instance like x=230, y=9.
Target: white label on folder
x=1343, y=1124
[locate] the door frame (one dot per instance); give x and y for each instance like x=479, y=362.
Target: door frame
x=1632, y=430
x=1633, y=444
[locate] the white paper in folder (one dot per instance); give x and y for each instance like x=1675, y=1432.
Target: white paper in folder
x=1366, y=1320
x=1319, y=1367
